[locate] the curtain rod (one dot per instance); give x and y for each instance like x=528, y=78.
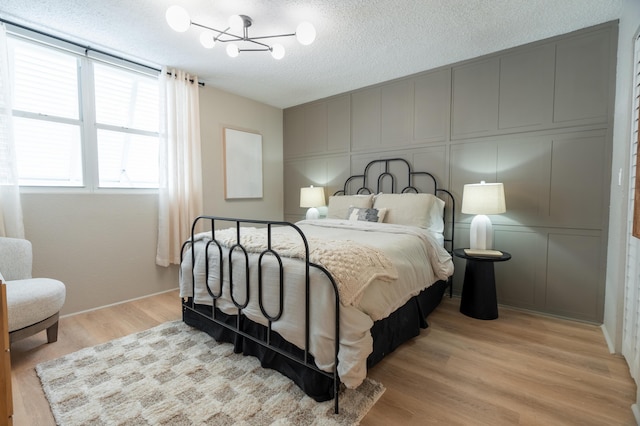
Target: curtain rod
x=86, y=48
x=200, y=83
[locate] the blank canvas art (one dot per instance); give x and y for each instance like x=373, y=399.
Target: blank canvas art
x=242, y=164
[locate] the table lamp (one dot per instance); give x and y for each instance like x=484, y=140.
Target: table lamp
x=312, y=198
x=482, y=199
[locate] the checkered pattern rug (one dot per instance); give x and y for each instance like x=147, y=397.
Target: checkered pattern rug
x=176, y=375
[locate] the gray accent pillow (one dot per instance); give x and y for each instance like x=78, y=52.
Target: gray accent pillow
x=368, y=215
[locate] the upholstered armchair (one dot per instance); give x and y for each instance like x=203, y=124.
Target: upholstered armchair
x=33, y=304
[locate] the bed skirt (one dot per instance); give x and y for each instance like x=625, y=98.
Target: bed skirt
x=389, y=333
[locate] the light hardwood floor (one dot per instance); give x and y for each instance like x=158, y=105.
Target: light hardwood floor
x=519, y=369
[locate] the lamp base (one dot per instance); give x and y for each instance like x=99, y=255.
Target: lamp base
x=313, y=213
x=481, y=233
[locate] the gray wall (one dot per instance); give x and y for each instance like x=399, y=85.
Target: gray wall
x=537, y=118
x=102, y=246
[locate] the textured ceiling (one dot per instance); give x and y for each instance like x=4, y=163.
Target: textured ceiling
x=359, y=42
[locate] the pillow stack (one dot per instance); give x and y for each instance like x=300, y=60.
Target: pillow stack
x=421, y=210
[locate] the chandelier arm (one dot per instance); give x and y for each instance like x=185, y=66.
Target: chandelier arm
x=220, y=32
x=251, y=40
x=272, y=36
x=267, y=49
x=227, y=40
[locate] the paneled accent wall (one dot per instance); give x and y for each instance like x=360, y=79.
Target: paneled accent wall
x=538, y=118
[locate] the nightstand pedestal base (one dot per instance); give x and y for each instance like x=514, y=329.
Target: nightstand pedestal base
x=479, y=298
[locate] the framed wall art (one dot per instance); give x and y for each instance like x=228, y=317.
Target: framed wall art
x=242, y=153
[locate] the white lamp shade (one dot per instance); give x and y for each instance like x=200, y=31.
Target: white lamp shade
x=483, y=198
x=233, y=50
x=277, y=51
x=305, y=33
x=312, y=196
x=178, y=18
x=236, y=23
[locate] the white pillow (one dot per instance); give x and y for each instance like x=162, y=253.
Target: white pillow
x=338, y=207
x=423, y=210
x=367, y=215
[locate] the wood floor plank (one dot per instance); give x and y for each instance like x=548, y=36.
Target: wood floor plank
x=521, y=369
x=545, y=370
x=77, y=332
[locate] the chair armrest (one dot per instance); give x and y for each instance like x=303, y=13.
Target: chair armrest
x=16, y=258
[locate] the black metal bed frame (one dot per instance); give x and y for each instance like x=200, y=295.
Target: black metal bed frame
x=189, y=304
x=386, y=173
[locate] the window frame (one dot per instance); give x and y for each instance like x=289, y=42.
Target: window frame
x=87, y=111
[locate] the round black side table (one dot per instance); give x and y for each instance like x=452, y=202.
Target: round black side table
x=479, y=299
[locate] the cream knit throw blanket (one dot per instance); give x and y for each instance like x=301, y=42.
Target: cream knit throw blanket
x=353, y=266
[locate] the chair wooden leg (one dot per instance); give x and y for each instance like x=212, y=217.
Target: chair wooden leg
x=50, y=324
x=52, y=333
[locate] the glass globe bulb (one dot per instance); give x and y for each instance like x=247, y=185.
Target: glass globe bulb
x=236, y=23
x=305, y=33
x=232, y=50
x=277, y=51
x=178, y=18
x=207, y=39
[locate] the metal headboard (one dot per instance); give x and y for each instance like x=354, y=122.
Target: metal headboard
x=387, y=175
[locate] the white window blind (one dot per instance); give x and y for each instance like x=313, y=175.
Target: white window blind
x=82, y=122
x=125, y=99
x=631, y=322
x=127, y=159
x=49, y=153
x=45, y=81
x=46, y=113
x=126, y=106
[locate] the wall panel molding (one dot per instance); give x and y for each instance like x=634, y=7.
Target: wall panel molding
x=537, y=117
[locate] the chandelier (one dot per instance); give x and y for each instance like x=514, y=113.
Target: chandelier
x=179, y=20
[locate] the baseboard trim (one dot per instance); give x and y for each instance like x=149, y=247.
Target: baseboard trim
x=607, y=338
x=118, y=303
x=635, y=408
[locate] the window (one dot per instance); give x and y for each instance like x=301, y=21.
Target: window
x=79, y=122
x=46, y=111
x=127, y=127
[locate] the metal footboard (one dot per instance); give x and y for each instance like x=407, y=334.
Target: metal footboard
x=240, y=253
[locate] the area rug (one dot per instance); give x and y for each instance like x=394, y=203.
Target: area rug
x=174, y=374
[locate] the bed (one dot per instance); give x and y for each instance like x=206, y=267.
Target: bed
x=366, y=276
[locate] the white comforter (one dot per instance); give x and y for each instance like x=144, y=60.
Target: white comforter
x=418, y=258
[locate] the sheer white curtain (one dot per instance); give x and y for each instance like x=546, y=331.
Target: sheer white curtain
x=180, y=200
x=11, y=224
